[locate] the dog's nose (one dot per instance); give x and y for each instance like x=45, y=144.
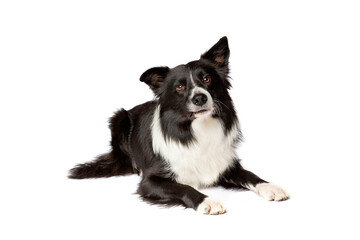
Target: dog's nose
x=199, y=99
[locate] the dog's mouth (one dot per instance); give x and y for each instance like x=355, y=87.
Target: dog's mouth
x=201, y=113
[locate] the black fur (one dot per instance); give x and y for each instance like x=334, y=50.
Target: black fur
x=132, y=150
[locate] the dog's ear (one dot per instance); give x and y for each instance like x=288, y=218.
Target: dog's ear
x=154, y=77
x=219, y=54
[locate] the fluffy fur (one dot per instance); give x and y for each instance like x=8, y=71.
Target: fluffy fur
x=184, y=140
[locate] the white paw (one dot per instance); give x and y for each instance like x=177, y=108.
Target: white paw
x=211, y=206
x=270, y=192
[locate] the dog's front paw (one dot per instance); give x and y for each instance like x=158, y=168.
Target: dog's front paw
x=271, y=192
x=211, y=206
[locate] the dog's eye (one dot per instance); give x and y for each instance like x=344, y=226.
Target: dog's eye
x=207, y=79
x=180, y=88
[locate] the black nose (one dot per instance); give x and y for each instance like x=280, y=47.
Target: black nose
x=199, y=99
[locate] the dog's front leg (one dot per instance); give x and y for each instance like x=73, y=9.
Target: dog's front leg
x=161, y=190
x=238, y=177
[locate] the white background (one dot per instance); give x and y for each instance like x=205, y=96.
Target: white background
x=66, y=66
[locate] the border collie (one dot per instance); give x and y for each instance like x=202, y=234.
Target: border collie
x=182, y=141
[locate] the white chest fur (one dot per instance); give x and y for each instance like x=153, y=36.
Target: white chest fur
x=200, y=163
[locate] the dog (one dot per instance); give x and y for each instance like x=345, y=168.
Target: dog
x=183, y=140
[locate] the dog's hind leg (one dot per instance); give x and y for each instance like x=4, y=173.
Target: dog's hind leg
x=238, y=177
x=117, y=161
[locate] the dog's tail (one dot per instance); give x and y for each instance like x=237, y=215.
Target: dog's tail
x=105, y=165
x=117, y=161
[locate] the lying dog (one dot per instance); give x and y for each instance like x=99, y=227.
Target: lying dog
x=184, y=140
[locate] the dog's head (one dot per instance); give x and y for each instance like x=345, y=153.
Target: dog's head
x=196, y=89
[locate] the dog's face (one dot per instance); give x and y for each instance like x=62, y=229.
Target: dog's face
x=196, y=89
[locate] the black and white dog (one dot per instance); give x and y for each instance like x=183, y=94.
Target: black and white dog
x=184, y=140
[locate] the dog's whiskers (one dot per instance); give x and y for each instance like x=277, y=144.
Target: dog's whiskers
x=218, y=106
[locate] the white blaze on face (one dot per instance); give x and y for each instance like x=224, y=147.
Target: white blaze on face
x=192, y=79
